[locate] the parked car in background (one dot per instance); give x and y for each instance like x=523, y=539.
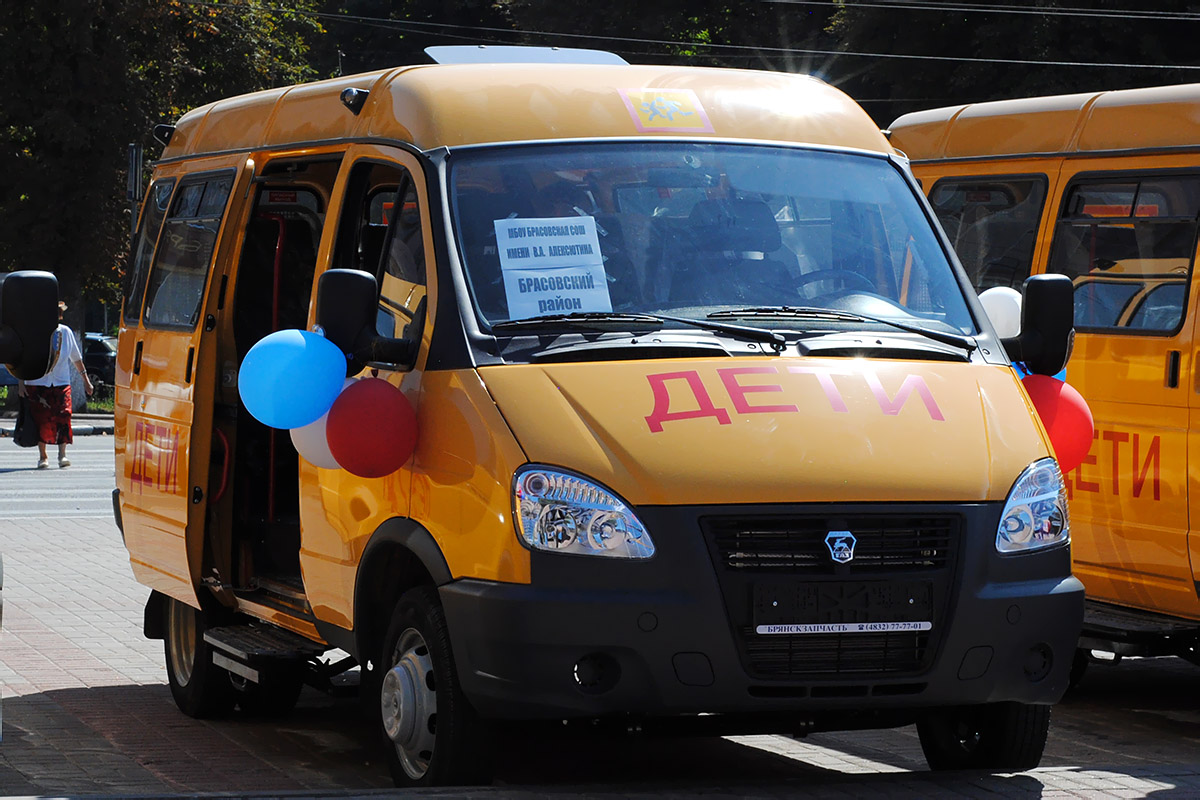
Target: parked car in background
x=100, y=357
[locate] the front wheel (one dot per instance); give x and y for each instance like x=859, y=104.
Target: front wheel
x=432, y=734
x=999, y=736
x=201, y=689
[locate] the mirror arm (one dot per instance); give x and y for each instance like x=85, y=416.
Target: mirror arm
x=1026, y=344
x=385, y=350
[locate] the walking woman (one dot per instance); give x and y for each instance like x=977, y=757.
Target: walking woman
x=49, y=397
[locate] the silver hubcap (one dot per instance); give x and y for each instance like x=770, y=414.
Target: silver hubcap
x=409, y=703
x=181, y=638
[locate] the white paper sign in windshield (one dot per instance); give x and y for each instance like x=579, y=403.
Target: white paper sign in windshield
x=551, y=266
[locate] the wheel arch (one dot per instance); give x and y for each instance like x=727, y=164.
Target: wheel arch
x=400, y=555
x=154, y=619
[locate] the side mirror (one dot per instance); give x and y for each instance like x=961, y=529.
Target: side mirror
x=28, y=317
x=346, y=307
x=1047, y=325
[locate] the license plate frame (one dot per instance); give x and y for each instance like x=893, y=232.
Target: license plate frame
x=793, y=607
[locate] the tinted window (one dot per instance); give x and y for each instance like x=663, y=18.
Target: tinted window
x=992, y=224
x=157, y=200
x=181, y=264
x=1128, y=247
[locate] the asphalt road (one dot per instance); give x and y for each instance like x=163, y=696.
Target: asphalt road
x=83, y=489
x=86, y=710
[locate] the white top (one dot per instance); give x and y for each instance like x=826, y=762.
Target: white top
x=68, y=353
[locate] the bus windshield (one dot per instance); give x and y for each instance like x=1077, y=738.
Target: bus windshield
x=696, y=229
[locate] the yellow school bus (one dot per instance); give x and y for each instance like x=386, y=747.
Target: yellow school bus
x=712, y=432
x=1105, y=189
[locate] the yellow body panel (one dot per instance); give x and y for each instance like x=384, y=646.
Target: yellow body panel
x=449, y=105
x=1134, y=542
x=157, y=411
x=1103, y=122
x=786, y=429
x=456, y=486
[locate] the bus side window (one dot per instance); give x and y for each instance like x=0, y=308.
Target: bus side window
x=992, y=224
x=180, y=271
x=401, y=274
x=381, y=233
x=1128, y=246
x=158, y=198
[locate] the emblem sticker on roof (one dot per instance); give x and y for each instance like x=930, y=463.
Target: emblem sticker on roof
x=666, y=111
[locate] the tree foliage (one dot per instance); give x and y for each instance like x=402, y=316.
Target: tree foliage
x=996, y=42
x=83, y=78
x=365, y=35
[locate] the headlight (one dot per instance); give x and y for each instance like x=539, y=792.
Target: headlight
x=564, y=513
x=1035, y=513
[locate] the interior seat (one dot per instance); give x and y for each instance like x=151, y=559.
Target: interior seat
x=728, y=252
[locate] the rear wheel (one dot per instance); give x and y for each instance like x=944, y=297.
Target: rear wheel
x=432, y=734
x=201, y=689
x=999, y=736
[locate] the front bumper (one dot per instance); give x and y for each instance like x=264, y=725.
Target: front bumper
x=592, y=637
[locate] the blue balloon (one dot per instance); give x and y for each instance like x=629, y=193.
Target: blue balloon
x=290, y=378
x=1022, y=372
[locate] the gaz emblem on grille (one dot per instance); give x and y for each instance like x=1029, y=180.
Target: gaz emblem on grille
x=841, y=546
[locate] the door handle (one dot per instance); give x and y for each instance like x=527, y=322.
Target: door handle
x=1172, y=369
x=137, y=359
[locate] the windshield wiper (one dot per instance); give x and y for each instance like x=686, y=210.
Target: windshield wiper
x=580, y=317
x=958, y=340
x=592, y=318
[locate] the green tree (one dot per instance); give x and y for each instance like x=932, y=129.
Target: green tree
x=366, y=35
x=374, y=34
x=733, y=33
x=80, y=80
x=1017, y=52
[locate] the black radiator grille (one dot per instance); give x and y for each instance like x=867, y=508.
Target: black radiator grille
x=797, y=545
x=779, y=570
x=782, y=656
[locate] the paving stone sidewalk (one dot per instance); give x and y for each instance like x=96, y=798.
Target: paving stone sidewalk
x=86, y=713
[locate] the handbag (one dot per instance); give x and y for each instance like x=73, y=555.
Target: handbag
x=25, y=434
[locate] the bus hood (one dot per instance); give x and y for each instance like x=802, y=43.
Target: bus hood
x=775, y=430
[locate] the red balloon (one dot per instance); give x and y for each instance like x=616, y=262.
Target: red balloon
x=1066, y=417
x=371, y=428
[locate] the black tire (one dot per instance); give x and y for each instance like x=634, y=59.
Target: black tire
x=432, y=735
x=201, y=689
x=1007, y=737
x=275, y=694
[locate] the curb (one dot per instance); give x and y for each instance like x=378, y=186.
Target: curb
x=76, y=430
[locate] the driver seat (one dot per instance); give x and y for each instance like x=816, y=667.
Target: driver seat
x=728, y=256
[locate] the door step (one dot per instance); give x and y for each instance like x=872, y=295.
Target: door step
x=1134, y=632
x=257, y=641
x=249, y=650
x=256, y=650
